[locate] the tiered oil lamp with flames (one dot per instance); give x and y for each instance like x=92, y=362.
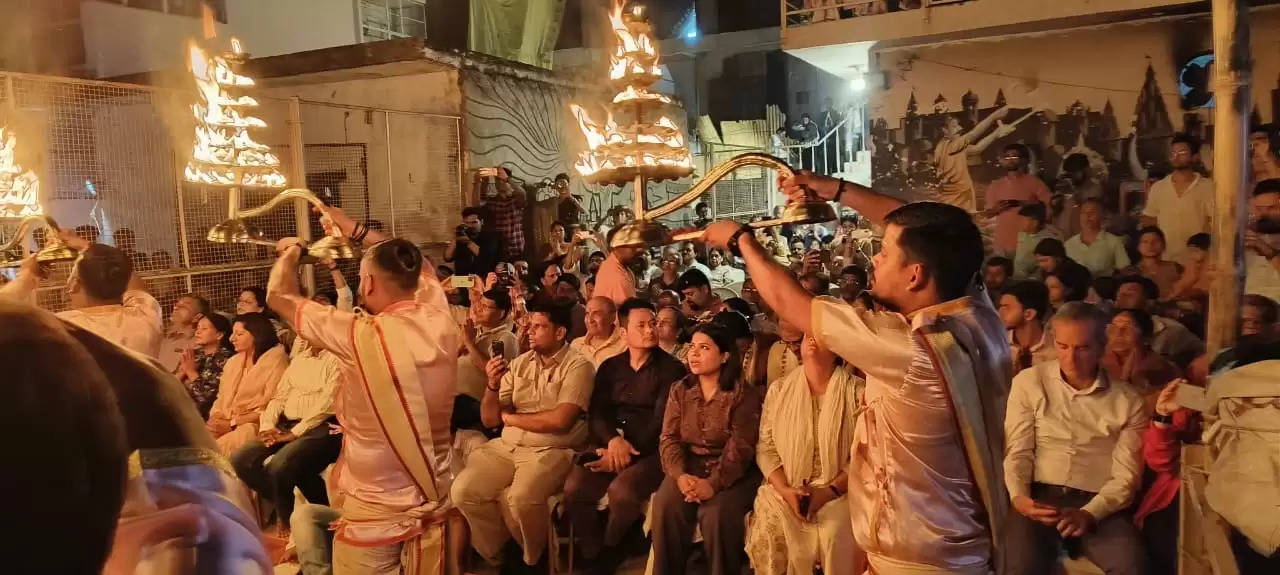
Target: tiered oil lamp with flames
x=639, y=143
x=20, y=200
x=226, y=155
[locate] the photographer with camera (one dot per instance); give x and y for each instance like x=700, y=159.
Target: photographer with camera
x=474, y=249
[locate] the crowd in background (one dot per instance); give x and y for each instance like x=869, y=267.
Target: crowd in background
x=641, y=395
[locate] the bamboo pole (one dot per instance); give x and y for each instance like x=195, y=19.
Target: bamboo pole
x=1233, y=79
x=298, y=176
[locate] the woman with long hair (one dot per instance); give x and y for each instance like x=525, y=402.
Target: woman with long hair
x=253, y=299
x=1151, y=263
x=806, y=431
x=200, y=368
x=248, y=381
x=708, y=449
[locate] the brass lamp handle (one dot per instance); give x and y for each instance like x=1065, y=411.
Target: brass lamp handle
x=715, y=175
x=273, y=203
x=25, y=227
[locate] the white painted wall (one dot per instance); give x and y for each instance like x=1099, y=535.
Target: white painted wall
x=273, y=27
x=120, y=40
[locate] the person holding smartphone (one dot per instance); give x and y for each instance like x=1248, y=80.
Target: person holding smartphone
x=474, y=249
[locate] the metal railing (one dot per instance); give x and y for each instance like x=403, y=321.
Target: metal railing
x=110, y=159
x=804, y=12
x=829, y=153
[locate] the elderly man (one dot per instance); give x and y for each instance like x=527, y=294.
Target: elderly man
x=602, y=340
x=925, y=488
x=1074, y=455
x=626, y=419
x=394, y=401
x=540, y=401
x=179, y=337
x=106, y=297
x=721, y=274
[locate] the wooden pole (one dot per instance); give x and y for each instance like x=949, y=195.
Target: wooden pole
x=1233, y=79
x=298, y=178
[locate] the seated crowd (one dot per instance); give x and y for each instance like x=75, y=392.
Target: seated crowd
x=637, y=401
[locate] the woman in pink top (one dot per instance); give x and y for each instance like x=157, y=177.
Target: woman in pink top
x=248, y=381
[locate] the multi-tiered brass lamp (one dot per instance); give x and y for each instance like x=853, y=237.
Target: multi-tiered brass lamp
x=639, y=142
x=20, y=201
x=226, y=155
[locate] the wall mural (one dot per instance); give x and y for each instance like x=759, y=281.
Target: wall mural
x=943, y=152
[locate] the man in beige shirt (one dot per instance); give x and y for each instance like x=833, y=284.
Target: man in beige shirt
x=925, y=487
x=541, y=401
x=602, y=340
x=1074, y=455
x=107, y=298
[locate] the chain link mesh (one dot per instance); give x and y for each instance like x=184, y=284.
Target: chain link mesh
x=110, y=159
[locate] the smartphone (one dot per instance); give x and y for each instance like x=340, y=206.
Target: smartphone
x=495, y=349
x=1191, y=397
x=588, y=457
x=461, y=282
x=804, y=504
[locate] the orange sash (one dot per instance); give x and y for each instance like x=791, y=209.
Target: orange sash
x=391, y=383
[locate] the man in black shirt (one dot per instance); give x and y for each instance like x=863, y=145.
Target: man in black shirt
x=474, y=249
x=625, y=420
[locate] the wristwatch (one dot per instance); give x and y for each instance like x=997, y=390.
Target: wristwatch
x=733, y=240
x=1161, y=418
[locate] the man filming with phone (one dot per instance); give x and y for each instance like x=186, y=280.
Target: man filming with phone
x=474, y=249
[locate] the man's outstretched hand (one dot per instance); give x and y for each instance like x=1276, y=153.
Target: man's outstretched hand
x=803, y=182
x=718, y=234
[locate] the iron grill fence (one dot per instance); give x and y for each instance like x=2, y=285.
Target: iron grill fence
x=110, y=159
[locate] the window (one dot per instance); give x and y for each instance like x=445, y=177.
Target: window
x=386, y=19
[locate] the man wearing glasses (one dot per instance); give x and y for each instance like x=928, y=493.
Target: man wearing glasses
x=1181, y=205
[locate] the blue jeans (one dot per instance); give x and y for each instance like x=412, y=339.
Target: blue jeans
x=312, y=537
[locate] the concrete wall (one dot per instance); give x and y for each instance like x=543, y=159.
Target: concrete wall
x=273, y=27
x=1095, y=84
x=405, y=164
x=120, y=40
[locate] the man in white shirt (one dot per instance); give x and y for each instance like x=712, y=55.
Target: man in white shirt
x=720, y=273
x=1073, y=458
x=602, y=340
x=1181, y=205
x=689, y=260
x=1262, y=241
x=106, y=297
x=295, y=433
x=1022, y=308
x=1094, y=248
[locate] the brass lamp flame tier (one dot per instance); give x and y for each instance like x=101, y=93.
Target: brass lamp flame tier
x=647, y=232
x=54, y=250
x=239, y=231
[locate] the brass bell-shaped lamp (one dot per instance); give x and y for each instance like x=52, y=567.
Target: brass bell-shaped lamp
x=54, y=250
x=238, y=230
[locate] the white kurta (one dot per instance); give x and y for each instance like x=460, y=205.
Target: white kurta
x=779, y=542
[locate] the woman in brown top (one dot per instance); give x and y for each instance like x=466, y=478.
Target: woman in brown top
x=1129, y=356
x=708, y=450
x=1152, y=264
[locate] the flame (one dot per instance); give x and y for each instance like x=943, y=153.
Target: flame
x=631, y=48
x=19, y=189
x=225, y=153
x=632, y=93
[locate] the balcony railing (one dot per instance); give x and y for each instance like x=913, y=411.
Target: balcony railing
x=804, y=12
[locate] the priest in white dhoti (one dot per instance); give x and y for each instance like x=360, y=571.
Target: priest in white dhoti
x=398, y=359
x=801, y=516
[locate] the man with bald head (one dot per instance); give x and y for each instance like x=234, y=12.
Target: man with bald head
x=395, y=395
x=602, y=340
